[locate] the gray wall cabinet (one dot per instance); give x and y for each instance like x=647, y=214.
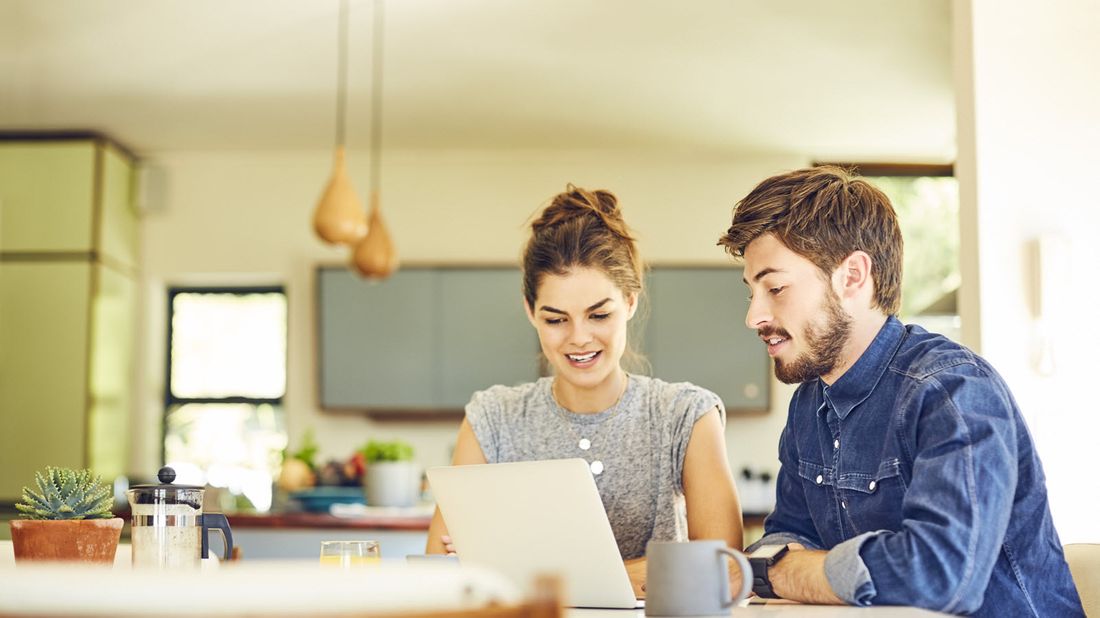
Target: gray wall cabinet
x=423, y=340
x=696, y=333
x=428, y=337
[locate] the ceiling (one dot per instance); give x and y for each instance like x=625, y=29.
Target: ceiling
x=849, y=79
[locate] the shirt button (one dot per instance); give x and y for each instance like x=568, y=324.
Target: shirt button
x=843, y=504
x=819, y=479
x=836, y=443
x=872, y=486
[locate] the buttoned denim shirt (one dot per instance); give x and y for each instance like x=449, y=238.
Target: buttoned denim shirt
x=916, y=471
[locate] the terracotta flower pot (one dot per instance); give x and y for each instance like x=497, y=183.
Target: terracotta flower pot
x=72, y=540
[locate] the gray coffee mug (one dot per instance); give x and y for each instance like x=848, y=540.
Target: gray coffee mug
x=692, y=578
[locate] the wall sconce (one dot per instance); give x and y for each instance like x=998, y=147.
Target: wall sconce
x=1049, y=255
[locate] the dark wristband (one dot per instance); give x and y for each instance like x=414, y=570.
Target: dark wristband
x=760, y=560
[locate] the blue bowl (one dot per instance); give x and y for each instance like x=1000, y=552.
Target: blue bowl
x=319, y=499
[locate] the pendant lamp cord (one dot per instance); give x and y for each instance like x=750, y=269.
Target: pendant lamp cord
x=342, y=73
x=376, y=101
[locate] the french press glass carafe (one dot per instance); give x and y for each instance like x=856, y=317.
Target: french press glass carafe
x=168, y=528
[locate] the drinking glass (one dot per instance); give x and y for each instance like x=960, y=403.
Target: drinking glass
x=349, y=554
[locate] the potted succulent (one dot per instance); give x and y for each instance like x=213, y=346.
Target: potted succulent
x=392, y=477
x=68, y=518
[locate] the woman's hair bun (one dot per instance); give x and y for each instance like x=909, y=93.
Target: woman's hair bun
x=576, y=202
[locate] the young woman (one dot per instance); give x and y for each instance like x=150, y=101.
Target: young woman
x=654, y=448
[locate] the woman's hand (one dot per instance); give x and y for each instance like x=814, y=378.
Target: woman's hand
x=448, y=545
x=636, y=570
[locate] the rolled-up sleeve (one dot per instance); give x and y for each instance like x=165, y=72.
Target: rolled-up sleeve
x=847, y=573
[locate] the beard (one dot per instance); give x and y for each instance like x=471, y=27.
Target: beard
x=824, y=344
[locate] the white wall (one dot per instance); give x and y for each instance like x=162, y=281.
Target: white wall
x=1028, y=109
x=244, y=217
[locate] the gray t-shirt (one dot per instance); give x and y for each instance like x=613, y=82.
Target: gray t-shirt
x=641, y=441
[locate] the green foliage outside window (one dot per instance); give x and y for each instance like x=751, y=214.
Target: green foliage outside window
x=928, y=211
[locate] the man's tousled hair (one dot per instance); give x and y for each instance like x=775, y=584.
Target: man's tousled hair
x=824, y=214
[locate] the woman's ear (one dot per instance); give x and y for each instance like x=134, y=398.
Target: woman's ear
x=631, y=304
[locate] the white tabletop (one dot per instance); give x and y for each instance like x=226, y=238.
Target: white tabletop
x=773, y=610
x=278, y=589
x=267, y=588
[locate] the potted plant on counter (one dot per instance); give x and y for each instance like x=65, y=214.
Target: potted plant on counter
x=392, y=477
x=68, y=518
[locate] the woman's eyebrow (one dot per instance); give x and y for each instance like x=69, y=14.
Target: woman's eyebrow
x=590, y=308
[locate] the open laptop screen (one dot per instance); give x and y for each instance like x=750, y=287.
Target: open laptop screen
x=538, y=517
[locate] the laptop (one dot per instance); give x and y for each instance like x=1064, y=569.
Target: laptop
x=535, y=517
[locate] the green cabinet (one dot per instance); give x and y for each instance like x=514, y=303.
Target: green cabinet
x=47, y=190
x=68, y=254
x=44, y=338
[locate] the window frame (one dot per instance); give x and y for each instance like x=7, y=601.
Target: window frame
x=893, y=169
x=897, y=170
x=172, y=401
x=169, y=398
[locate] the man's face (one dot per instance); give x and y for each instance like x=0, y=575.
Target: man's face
x=795, y=311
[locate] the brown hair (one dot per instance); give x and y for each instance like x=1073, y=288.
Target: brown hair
x=585, y=229
x=824, y=214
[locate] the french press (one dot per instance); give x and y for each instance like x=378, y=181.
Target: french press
x=168, y=528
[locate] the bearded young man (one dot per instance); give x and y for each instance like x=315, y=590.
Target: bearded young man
x=908, y=476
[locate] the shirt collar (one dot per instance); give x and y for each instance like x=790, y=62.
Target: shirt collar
x=857, y=383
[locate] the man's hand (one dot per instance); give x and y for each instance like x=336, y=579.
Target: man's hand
x=636, y=570
x=800, y=576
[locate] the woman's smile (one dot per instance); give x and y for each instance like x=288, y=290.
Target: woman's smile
x=583, y=361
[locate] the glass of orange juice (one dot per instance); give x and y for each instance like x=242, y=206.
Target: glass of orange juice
x=349, y=554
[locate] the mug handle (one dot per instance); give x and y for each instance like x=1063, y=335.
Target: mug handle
x=746, y=576
x=219, y=522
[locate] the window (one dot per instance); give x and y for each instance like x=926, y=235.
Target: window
x=926, y=199
x=224, y=422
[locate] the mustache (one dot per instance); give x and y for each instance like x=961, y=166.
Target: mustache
x=772, y=331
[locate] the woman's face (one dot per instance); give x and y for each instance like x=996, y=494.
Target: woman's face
x=581, y=321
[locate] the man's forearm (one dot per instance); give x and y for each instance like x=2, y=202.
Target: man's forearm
x=800, y=576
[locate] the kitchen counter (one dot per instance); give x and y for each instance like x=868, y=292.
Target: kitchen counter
x=298, y=535
x=258, y=534
x=381, y=520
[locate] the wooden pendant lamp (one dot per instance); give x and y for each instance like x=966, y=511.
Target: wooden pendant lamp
x=338, y=217
x=375, y=256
